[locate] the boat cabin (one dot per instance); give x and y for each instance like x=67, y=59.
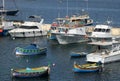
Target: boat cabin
x=102, y=31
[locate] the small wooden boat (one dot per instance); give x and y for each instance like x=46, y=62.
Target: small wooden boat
x=78, y=54
x=31, y=49
x=85, y=68
x=31, y=72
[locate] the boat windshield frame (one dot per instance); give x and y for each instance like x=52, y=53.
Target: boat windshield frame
x=29, y=27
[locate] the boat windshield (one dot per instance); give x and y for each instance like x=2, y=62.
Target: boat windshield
x=108, y=30
x=102, y=30
x=63, y=29
x=29, y=27
x=53, y=28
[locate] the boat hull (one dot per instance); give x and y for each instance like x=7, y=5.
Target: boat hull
x=66, y=39
x=77, y=54
x=16, y=74
x=4, y=33
x=85, y=70
x=104, y=59
x=52, y=37
x=19, y=51
x=27, y=34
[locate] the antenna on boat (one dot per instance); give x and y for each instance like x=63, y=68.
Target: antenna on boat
x=108, y=22
x=86, y=4
x=15, y=4
x=67, y=8
x=59, y=2
x=3, y=4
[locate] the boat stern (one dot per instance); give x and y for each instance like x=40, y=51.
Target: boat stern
x=94, y=58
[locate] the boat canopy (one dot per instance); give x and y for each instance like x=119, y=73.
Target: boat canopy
x=31, y=46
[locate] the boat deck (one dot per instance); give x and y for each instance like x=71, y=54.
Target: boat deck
x=101, y=53
x=29, y=70
x=101, y=43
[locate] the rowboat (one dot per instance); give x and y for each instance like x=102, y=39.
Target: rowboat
x=31, y=49
x=30, y=72
x=78, y=54
x=86, y=68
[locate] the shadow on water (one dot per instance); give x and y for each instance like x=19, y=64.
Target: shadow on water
x=85, y=76
x=32, y=79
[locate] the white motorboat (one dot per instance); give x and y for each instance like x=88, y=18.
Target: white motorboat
x=107, y=40
x=69, y=23
x=29, y=29
x=74, y=35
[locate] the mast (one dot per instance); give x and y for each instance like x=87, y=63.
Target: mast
x=3, y=4
x=67, y=9
x=86, y=4
x=3, y=14
x=59, y=2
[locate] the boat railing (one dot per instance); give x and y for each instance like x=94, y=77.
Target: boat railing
x=116, y=48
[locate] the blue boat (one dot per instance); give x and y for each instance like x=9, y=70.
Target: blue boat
x=51, y=33
x=52, y=37
x=31, y=49
x=87, y=68
x=78, y=54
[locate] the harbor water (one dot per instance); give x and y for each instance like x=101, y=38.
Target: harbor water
x=58, y=56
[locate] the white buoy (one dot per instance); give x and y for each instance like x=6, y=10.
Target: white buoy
x=13, y=38
x=53, y=64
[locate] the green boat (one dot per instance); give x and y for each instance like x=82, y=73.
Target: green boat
x=31, y=72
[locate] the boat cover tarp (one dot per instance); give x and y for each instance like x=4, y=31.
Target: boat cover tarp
x=31, y=46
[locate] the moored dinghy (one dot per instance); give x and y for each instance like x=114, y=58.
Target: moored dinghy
x=31, y=72
x=78, y=54
x=31, y=49
x=86, y=68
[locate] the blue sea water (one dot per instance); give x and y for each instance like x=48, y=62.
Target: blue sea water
x=58, y=55
x=99, y=10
